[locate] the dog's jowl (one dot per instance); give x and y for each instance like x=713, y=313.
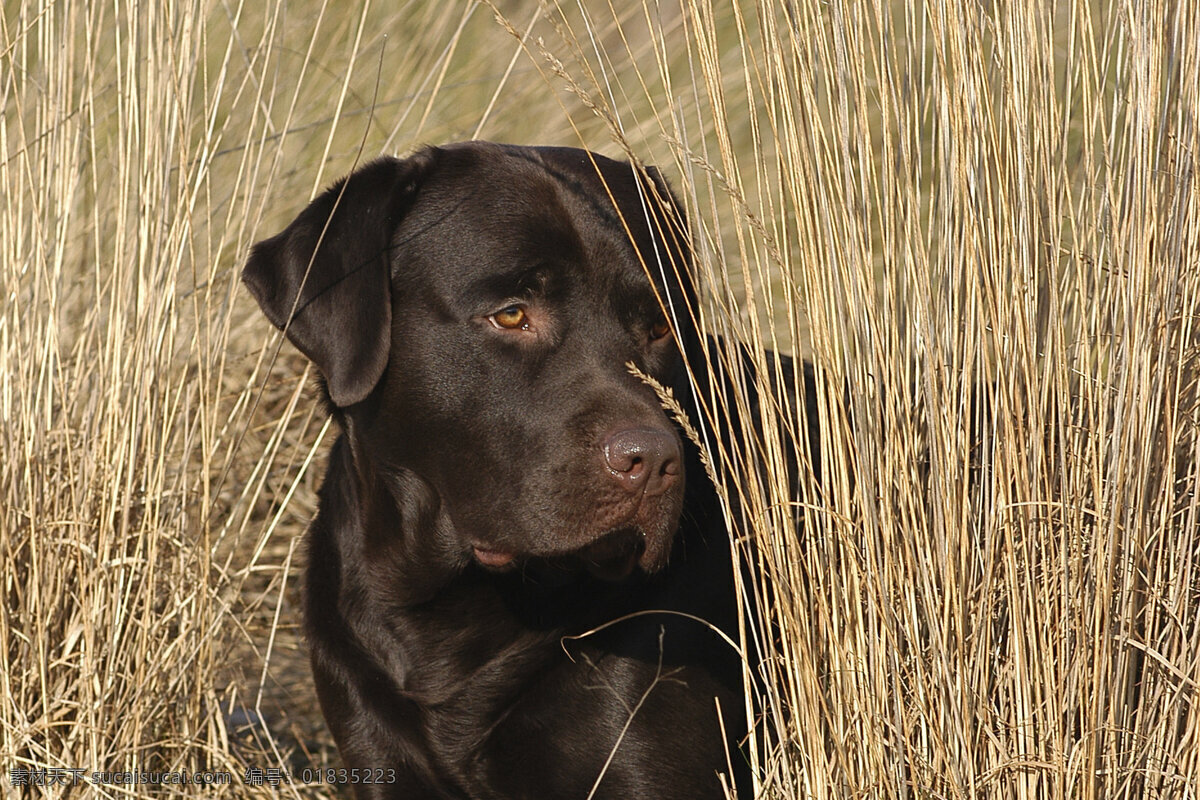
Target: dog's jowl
x=510, y=525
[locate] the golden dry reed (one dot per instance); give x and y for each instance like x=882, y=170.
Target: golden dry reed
x=980, y=221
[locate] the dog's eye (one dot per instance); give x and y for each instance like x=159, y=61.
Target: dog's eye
x=511, y=318
x=659, y=330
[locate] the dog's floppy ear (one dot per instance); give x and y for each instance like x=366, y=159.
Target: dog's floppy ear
x=325, y=280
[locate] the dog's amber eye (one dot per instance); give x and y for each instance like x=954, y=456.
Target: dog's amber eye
x=660, y=329
x=511, y=318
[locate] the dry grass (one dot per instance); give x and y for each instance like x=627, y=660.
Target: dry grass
x=981, y=222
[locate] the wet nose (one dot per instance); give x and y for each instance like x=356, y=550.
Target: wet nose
x=643, y=459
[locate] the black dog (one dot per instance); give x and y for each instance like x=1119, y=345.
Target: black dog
x=505, y=493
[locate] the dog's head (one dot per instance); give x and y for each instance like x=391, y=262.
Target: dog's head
x=472, y=310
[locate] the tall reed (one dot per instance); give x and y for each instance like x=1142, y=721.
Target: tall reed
x=980, y=223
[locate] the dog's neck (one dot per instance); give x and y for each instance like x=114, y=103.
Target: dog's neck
x=406, y=574
x=401, y=529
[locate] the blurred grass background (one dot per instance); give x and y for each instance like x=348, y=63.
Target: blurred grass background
x=981, y=218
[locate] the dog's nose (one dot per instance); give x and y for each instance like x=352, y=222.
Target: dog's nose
x=643, y=459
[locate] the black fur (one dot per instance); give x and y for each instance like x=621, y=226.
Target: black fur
x=498, y=491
